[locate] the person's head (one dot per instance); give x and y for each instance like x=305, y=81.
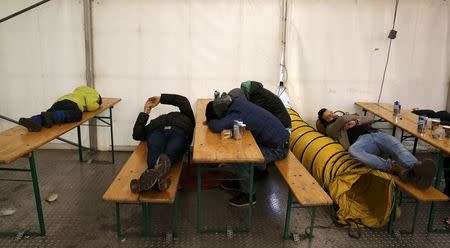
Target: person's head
x=326, y=116
x=210, y=113
x=218, y=108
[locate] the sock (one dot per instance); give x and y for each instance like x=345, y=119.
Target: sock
x=37, y=118
x=58, y=116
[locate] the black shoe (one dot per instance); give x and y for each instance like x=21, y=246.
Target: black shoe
x=162, y=168
x=30, y=124
x=146, y=181
x=47, y=120
x=241, y=200
x=232, y=185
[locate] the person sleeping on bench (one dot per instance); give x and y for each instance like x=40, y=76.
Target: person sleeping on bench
x=68, y=108
x=168, y=137
x=269, y=133
x=366, y=143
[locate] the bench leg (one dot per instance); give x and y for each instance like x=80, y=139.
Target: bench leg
x=199, y=200
x=311, y=227
x=250, y=197
x=118, y=219
x=37, y=195
x=437, y=185
x=176, y=215
x=146, y=220
x=393, y=212
x=112, y=135
x=288, y=215
x=80, y=148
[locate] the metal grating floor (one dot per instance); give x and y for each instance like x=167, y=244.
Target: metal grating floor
x=79, y=217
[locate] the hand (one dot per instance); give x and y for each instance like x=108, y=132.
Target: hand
x=349, y=125
x=154, y=100
x=148, y=106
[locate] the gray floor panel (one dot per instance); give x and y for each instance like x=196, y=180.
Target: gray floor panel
x=79, y=217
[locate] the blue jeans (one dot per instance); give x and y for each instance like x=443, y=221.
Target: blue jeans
x=173, y=143
x=369, y=146
x=270, y=155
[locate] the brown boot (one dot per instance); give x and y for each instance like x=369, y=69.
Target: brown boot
x=396, y=169
x=425, y=171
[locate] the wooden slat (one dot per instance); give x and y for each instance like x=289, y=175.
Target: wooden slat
x=302, y=185
x=16, y=142
x=167, y=196
x=119, y=190
x=209, y=147
x=429, y=194
x=408, y=123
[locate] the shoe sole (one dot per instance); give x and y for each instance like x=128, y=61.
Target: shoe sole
x=146, y=182
x=31, y=125
x=162, y=169
x=241, y=205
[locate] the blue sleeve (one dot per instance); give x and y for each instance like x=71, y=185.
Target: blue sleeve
x=217, y=125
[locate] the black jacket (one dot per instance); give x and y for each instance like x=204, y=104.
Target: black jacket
x=183, y=120
x=269, y=101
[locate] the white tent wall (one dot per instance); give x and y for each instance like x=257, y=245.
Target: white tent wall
x=336, y=53
x=41, y=57
x=144, y=48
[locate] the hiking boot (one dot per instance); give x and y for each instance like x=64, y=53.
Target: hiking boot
x=425, y=171
x=146, y=181
x=421, y=175
x=396, y=169
x=241, y=200
x=162, y=168
x=30, y=124
x=231, y=185
x=47, y=120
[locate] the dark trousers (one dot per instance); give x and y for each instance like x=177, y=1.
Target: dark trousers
x=65, y=111
x=172, y=142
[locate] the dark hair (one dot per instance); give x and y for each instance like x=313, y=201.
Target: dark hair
x=320, y=116
x=210, y=113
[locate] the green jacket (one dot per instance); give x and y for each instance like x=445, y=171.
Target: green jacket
x=86, y=98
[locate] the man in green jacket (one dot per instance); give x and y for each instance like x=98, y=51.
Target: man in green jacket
x=68, y=108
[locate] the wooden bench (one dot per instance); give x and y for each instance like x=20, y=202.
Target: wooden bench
x=17, y=142
x=305, y=189
x=119, y=191
x=430, y=194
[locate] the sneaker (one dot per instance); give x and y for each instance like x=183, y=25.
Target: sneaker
x=146, y=181
x=162, y=166
x=30, y=124
x=231, y=185
x=47, y=120
x=241, y=200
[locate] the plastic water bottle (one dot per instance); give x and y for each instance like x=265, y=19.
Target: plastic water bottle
x=397, y=108
x=216, y=94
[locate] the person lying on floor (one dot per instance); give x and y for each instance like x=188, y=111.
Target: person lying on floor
x=68, y=108
x=366, y=143
x=269, y=133
x=168, y=137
